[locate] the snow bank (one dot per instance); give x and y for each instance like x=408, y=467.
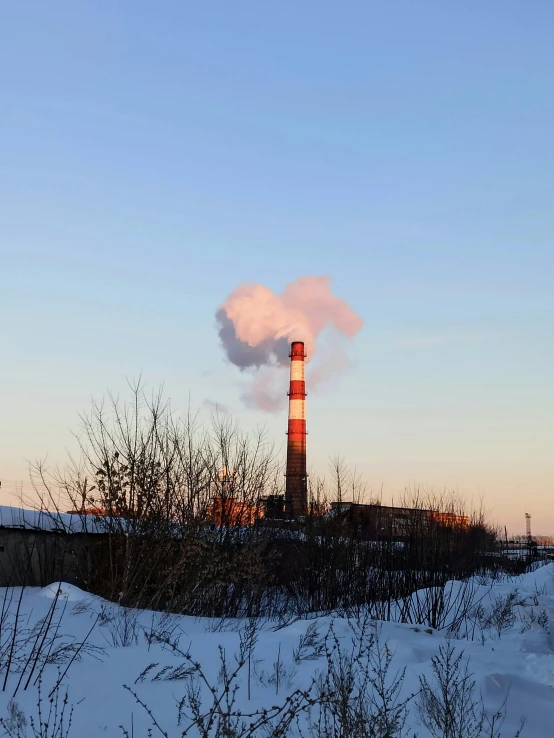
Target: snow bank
x=517, y=657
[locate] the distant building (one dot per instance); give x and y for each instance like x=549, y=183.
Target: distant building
x=230, y=511
x=450, y=520
x=38, y=547
x=379, y=521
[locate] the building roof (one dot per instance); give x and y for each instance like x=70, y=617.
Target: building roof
x=43, y=520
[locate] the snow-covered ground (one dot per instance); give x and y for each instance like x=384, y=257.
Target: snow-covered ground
x=511, y=652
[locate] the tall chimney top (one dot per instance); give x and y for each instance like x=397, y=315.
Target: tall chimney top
x=297, y=349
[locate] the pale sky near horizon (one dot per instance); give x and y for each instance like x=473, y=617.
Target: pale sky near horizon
x=155, y=155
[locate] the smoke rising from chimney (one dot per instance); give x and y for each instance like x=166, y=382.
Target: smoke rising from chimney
x=256, y=327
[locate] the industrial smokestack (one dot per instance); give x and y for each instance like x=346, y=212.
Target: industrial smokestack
x=296, y=490
x=256, y=326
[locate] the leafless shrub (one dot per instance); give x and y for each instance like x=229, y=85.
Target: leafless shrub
x=51, y=721
x=281, y=675
x=65, y=652
x=167, y=673
x=248, y=639
x=310, y=645
x=492, y=724
x=528, y=620
x=543, y=620
x=502, y=615
x=358, y=697
x=122, y=626
x=449, y=707
x=153, y=478
x=443, y=607
x=210, y=711
x=26, y=651
x=164, y=628
x=15, y=723
x=538, y=593
x=530, y=617
x=81, y=606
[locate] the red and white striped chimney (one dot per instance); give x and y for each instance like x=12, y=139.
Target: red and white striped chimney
x=296, y=490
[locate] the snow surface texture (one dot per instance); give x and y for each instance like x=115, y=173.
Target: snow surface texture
x=510, y=651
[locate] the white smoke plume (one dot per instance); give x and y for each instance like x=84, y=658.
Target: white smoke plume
x=256, y=327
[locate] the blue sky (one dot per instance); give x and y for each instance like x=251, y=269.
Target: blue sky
x=153, y=156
